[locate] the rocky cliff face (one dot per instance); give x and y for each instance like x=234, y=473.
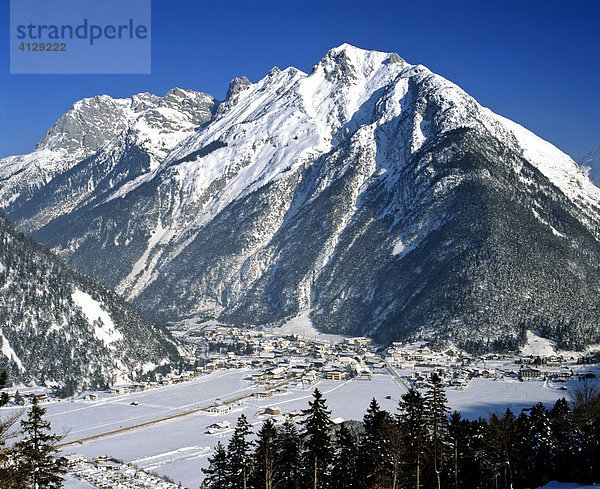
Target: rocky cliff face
x=373, y=192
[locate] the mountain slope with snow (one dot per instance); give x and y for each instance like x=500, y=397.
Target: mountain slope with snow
x=374, y=193
x=59, y=325
x=98, y=145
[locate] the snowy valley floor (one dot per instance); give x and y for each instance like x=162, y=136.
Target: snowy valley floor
x=179, y=448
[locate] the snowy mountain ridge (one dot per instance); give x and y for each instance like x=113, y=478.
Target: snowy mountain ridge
x=369, y=191
x=305, y=115
x=102, y=129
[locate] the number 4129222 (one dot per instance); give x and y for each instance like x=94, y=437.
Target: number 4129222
x=43, y=46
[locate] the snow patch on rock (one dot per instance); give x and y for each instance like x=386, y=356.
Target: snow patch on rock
x=104, y=327
x=9, y=353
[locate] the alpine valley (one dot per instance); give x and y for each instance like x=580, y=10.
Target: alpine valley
x=372, y=194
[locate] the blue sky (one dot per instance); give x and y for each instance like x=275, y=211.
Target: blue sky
x=535, y=62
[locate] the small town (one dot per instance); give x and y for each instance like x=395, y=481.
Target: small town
x=277, y=363
x=299, y=361
x=304, y=360
x=105, y=472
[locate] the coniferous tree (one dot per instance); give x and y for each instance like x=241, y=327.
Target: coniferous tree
x=3, y=383
x=565, y=441
x=37, y=453
x=474, y=454
x=437, y=420
x=11, y=476
x=345, y=470
x=216, y=472
x=381, y=448
x=288, y=450
x=456, y=434
x=411, y=418
x=239, y=455
x=318, y=452
x=371, y=461
x=521, y=470
x=501, y=451
x=264, y=473
x=586, y=413
x=540, y=448
x=19, y=400
x=394, y=449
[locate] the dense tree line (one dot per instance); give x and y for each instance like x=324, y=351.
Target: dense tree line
x=421, y=445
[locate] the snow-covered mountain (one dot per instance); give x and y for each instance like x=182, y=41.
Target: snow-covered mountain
x=59, y=325
x=591, y=164
x=374, y=193
x=99, y=144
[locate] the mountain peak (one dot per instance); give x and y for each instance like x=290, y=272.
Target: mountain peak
x=417, y=202
x=351, y=50
x=350, y=62
x=237, y=85
x=88, y=125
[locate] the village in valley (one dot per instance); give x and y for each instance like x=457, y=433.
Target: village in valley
x=294, y=360
x=275, y=370
x=303, y=360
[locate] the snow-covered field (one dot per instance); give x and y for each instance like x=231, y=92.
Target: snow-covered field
x=482, y=397
x=302, y=325
x=179, y=448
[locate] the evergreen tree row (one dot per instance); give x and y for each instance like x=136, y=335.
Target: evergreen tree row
x=420, y=446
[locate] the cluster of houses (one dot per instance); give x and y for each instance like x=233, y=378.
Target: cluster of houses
x=303, y=361
x=306, y=360
x=593, y=357
x=108, y=473
x=22, y=398
x=457, y=369
x=291, y=357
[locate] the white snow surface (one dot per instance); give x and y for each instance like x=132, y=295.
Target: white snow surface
x=105, y=126
x=288, y=119
x=373, y=102
x=179, y=447
x=99, y=319
x=9, y=353
x=558, y=167
x=537, y=345
x=302, y=325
